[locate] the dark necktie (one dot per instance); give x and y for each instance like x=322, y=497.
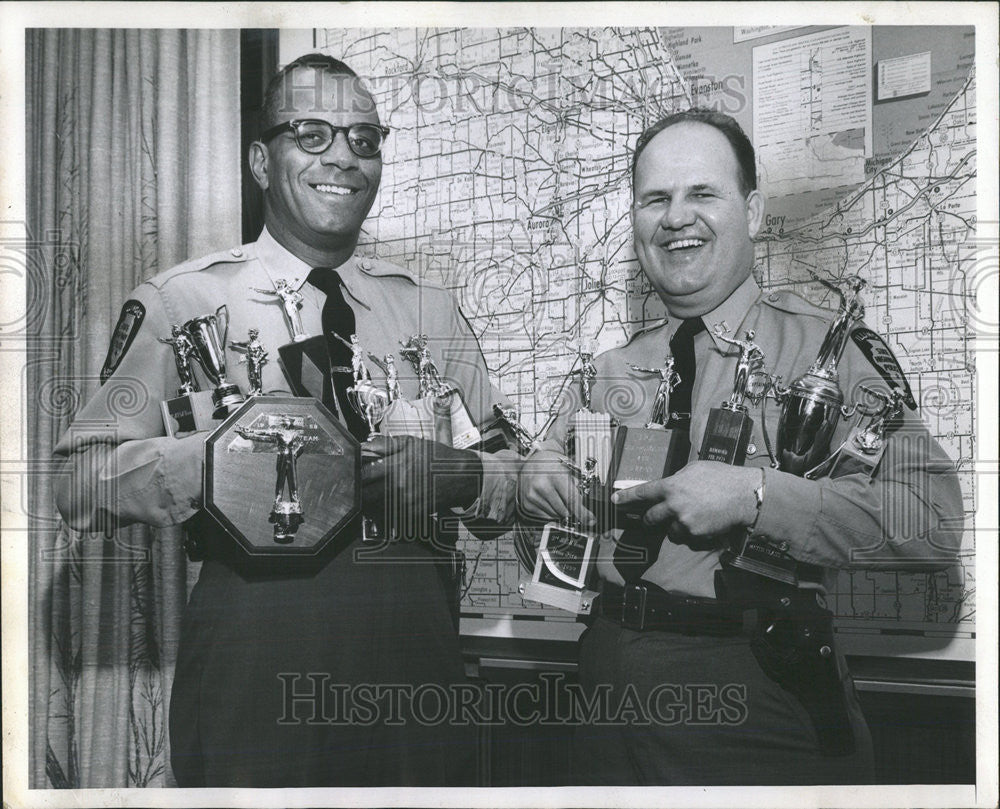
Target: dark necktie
x=639, y=546
x=338, y=326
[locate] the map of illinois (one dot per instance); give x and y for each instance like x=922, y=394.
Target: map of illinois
x=507, y=179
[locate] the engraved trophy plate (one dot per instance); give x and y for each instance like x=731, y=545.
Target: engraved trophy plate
x=727, y=433
x=282, y=476
x=566, y=563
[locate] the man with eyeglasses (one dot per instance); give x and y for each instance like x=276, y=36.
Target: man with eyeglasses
x=303, y=672
x=702, y=690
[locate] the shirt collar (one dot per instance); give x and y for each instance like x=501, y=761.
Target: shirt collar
x=278, y=262
x=728, y=316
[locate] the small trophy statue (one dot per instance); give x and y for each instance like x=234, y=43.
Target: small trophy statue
x=291, y=302
x=191, y=410
x=207, y=334
x=589, y=435
x=812, y=406
x=391, y=378
x=254, y=357
x=566, y=561
x=653, y=451
x=453, y=423
x=286, y=513
x=305, y=361
x=367, y=399
x=727, y=433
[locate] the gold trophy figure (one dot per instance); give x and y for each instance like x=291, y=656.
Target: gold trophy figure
x=254, y=357
x=286, y=513
x=183, y=353
x=291, y=302
x=659, y=413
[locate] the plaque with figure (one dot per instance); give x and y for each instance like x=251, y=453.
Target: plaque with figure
x=282, y=476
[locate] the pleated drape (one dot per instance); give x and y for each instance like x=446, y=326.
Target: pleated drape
x=133, y=165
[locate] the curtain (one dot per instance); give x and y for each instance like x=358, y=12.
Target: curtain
x=133, y=166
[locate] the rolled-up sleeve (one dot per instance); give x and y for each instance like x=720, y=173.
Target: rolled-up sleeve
x=119, y=466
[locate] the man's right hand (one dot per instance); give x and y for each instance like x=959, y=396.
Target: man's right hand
x=547, y=490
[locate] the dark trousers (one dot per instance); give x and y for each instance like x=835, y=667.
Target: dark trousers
x=279, y=675
x=713, y=717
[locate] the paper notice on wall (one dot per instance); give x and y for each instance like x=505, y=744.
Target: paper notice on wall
x=812, y=118
x=904, y=76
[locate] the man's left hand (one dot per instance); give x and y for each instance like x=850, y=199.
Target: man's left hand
x=704, y=499
x=405, y=477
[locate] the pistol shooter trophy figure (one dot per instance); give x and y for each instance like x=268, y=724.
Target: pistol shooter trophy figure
x=812, y=406
x=439, y=409
x=315, y=475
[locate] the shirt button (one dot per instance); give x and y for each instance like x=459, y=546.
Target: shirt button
x=366, y=264
x=751, y=449
x=773, y=297
x=236, y=252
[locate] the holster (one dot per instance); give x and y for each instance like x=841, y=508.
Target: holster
x=792, y=641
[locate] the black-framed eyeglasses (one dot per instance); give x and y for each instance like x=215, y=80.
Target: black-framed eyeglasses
x=315, y=136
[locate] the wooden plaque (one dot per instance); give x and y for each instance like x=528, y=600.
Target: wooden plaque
x=320, y=487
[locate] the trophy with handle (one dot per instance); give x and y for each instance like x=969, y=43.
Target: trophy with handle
x=812, y=407
x=192, y=409
x=207, y=334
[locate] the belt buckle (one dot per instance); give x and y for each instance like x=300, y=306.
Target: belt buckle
x=634, y=607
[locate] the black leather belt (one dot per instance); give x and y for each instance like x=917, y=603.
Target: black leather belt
x=645, y=607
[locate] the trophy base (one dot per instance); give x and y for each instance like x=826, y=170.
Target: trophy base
x=563, y=567
x=464, y=432
x=580, y=602
x=727, y=436
x=189, y=413
x=227, y=399
x=763, y=559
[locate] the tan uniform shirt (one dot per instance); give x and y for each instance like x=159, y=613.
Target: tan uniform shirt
x=911, y=511
x=121, y=463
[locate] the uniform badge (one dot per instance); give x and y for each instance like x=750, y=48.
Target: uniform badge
x=128, y=327
x=885, y=362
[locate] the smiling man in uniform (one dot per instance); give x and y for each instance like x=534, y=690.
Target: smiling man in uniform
x=669, y=633
x=295, y=672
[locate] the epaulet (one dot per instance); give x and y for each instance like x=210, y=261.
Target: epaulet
x=234, y=255
x=658, y=324
x=786, y=301
x=383, y=269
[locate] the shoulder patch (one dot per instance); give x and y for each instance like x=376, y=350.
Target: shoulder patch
x=129, y=322
x=880, y=355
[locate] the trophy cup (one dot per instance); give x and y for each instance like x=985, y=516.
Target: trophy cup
x=864, y=446
x=812, y=406
x=210, y=353
x=191, y=410
x=566, y=560
x=727, y=433
x=254, y=357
